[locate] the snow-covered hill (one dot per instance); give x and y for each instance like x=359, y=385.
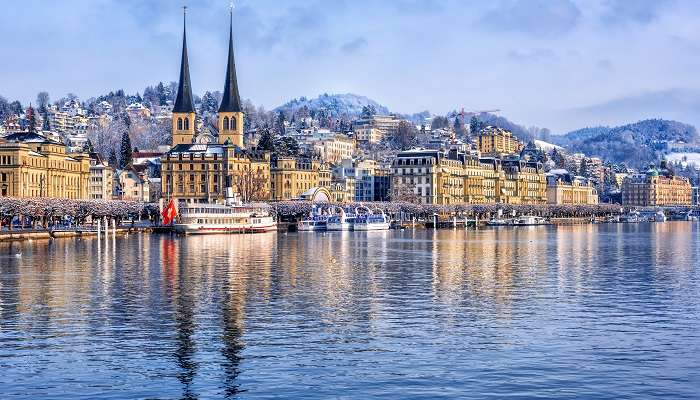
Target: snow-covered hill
x=335, y=104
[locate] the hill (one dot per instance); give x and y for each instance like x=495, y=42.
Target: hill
x=636, y=144
x=335, y=104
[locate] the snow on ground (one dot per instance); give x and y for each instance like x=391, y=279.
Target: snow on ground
x=685, y=158
x=546, y=146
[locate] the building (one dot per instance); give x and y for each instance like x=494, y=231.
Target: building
x=655, y=188
x=696, y=196
x=131, y=185
x=205, y=159
x=453, y=177
x=290, y=177
x=367, y=134
x=34, y=166
x=101, y=179
x=493, y=141
x=565, y=188
x=371, y=181
x=334, y=149
x=384, y=126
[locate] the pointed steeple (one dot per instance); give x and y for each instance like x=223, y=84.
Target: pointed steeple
x=183, y=102
x=231, y=100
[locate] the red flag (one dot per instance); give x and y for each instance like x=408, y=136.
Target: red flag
x=169, y=213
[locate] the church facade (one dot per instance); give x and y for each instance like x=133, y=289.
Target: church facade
x=206, y=159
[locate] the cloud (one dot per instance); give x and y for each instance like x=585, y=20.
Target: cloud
x=354, y=45
x=622, y=12
x=534, y=55
x=538, y=17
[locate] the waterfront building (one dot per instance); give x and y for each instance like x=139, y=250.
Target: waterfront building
x=33, y=166
x=696, y=196
x=565, y=188
x=493, y=141
x=292, y=176
x=452, y=177
x=656, y=188
x=205, y=159
x=101, y=178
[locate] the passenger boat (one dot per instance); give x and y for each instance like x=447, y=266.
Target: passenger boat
x=529, y=220
x=316, y=221
x=372, y=222
x=341, y=221
x=199, y=218
x=630, y=217
x=499, y=222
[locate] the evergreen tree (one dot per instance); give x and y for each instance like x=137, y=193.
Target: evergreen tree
x=47, y=124
x=31, y=119
x=474, y=125
x=267, y=141
x=125, y=151
x=89, y=148
x=582, y=167
x=112, y=159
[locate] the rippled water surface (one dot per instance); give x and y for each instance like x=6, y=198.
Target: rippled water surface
x=595, y=311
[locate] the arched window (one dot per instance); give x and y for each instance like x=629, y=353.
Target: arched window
x=187, y=124
x=225, y=123
x=233, y=123
x=179, y=124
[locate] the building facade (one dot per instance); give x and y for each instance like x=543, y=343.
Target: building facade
x=656, y=189
x=101, y=179
x=290, y=177
x=493, y=141
x=33, y=166
x=454, y=177
x=564, y=188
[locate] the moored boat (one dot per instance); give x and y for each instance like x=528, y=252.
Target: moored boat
x=529, y=220
x=372, y=222
x=341, y=221
x=201, y=218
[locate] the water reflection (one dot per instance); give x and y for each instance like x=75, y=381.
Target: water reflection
x=307, y=314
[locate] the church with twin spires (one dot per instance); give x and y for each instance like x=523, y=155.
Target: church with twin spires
x=206, y=159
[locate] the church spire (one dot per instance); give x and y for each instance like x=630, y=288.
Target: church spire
x=183, y=102
x=231, y=100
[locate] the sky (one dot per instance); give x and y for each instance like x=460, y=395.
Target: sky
x=559, y=64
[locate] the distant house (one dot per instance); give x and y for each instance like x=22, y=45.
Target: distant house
x=131, y=185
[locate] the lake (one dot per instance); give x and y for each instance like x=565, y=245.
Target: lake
x=604, y=311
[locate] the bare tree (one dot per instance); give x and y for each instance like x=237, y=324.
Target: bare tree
x=250, y=184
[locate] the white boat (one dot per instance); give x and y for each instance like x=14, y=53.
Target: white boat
x=372, y=222
x=529, y=220
x=341, y=221
x=660, y=216
x=199, y=218
x=316, y=221
x=499, y=222
x=631, y=217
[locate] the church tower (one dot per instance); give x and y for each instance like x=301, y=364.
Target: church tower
x=230, y=122
x=183, y=111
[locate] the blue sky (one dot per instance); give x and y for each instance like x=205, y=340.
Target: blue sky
x=561, y=64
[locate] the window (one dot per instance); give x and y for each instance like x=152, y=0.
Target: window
x=225, y=123
x=187, y=124
x=233, y=123
x=179, y=124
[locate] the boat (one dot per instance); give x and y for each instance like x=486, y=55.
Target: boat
x=316, y=221
x=198, y=218
x=372, y=222
x=659, y=216
x=499, y=222
x=630, y=217
x=341, y=221
x=529, y=220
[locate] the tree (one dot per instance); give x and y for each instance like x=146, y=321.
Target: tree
x=582, y=167
x=47, y=124
x=31, y=119
x=439, y=122
x=405, y=135
x=474, y=125
x=89, y=148
x=209, y=103
x=125, y=151
x=4, y=109
x=267, y=141
x=112, y=161
x=249, y=184
x=403, y=192
x=42, y=102
x=16, y=108
x=279, y=123
x=287, y=146
x=368, y=111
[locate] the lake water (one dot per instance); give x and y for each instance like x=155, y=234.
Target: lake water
x=585, y=312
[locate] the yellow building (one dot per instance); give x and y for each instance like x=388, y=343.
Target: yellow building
x=564, y=188
x=33, y=166
x=656, y=189
x=205, y=159
x=453, y=177
x=495, y=141
x=290, y=177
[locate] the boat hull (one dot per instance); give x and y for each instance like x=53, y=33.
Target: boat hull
x=384, y=226
x=339, y=226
